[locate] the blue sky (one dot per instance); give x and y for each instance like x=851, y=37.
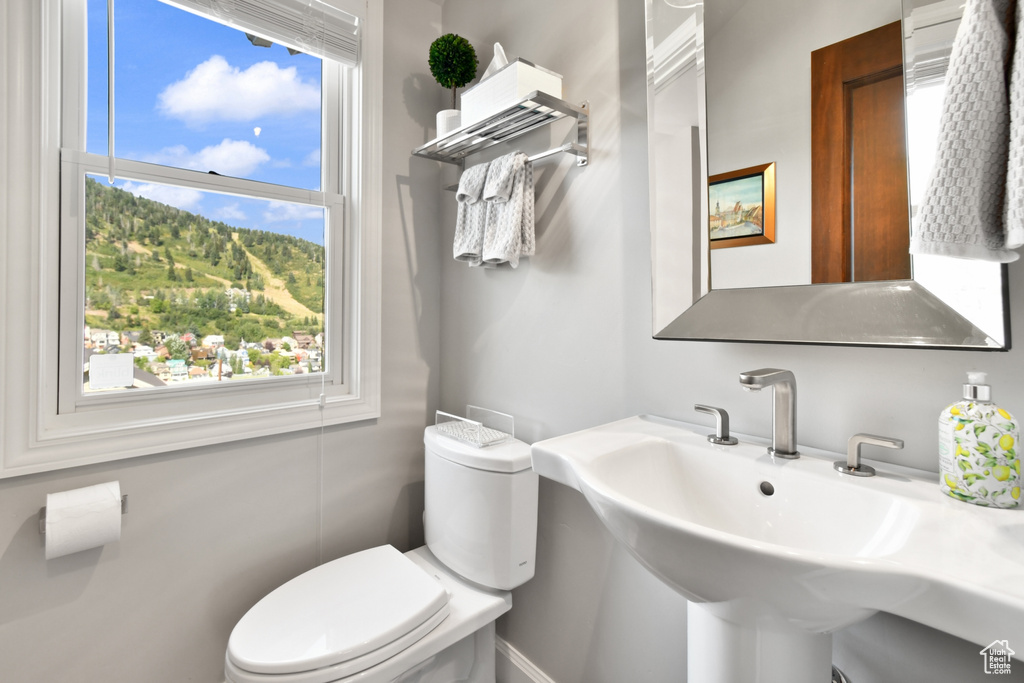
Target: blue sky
x=193, y=93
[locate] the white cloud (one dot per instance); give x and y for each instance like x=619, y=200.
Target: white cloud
x=180, y=197
x=231, y=157
x=217, y=91
x=231, y=212
x=312, y=159
x=282, y=211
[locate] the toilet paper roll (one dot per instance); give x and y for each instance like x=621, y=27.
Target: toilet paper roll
x=82, y=518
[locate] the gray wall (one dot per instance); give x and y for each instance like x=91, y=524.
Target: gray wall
x=563, y=343
x=211, y=531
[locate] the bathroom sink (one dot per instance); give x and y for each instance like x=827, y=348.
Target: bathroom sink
x=794, y=544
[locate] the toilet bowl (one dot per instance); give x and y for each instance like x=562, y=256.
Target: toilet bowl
x=378, y=616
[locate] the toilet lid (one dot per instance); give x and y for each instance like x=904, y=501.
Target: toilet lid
x=340, y=611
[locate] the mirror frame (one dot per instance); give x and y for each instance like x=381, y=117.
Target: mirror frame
x=899, y=313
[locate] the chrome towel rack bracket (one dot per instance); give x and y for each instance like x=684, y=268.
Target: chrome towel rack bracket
x=533, y=111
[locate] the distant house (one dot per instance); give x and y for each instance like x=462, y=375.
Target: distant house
x=195, y=372
x=159, y=337
x=162, y=351
x=179, y=371
x=163, y=371
x=188, y=338
x=214, y=341
x=202, y=353
x=303, y=340
x=147, y=352
x=103, y=339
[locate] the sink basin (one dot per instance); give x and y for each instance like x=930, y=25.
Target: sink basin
x=787, y=551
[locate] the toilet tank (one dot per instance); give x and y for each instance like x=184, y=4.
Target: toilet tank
x=480, y=516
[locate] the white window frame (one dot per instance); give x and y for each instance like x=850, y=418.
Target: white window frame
x=55, y=424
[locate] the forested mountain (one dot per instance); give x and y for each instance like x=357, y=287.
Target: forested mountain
x=155, y=267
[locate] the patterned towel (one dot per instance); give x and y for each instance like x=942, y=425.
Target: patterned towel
x=469, y=226
x=1015, y=169
x=963, y=210
x=509, y=226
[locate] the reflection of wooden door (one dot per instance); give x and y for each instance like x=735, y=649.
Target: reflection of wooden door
x=859, y=205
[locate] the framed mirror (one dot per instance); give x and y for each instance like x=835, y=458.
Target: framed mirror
x=842, y=101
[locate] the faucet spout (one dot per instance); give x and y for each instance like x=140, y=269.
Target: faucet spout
x=783, y=384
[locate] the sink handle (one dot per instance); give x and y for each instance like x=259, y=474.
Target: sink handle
x=852, y=465
x=721, y=435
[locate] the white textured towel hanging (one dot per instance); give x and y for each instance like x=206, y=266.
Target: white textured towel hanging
x=964, y=211
x=469, y=226
x=509, y=226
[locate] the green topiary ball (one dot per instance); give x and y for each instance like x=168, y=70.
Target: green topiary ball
x=452, y=62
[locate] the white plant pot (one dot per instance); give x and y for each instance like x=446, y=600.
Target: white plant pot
x=447, y=121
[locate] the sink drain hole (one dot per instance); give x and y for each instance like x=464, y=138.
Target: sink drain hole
x=766, y=488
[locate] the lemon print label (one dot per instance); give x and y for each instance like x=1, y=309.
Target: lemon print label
x=978, y=454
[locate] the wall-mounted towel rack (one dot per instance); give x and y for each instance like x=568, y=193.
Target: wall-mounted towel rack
x=535, y=110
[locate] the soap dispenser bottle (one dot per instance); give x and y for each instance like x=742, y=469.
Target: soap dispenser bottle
x=978, y=449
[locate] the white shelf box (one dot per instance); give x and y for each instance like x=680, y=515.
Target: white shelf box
x=504, y=88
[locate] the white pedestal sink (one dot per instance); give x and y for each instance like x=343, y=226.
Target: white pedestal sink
x=776, y=555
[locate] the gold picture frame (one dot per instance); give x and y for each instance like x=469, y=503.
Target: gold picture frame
x=741, y=207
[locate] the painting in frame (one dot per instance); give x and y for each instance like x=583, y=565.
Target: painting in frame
x=741, y=207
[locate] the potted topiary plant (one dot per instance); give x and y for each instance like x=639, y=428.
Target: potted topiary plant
x=453, y=64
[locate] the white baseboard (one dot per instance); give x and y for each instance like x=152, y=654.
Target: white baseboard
x=513, y=667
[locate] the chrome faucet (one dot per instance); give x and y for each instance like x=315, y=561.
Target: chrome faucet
x=853, y=465
x=783, y=385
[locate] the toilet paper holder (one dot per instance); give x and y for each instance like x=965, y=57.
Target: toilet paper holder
x=42, y=513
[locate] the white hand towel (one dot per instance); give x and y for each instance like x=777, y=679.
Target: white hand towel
x=469, y=226
x=509, y=230
x=1015, y=169
x=500, y=177
x=962, y=211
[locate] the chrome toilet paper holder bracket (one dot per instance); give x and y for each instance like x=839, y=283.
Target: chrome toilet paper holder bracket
x=42, y=513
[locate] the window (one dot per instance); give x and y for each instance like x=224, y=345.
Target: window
x=212, y=272
x=188, y=281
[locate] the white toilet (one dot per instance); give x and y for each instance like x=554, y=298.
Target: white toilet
x=427, y=616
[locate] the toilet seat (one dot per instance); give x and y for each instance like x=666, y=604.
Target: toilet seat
x=337, y=619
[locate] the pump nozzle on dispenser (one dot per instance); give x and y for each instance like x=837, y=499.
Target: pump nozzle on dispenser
x=977, y=389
